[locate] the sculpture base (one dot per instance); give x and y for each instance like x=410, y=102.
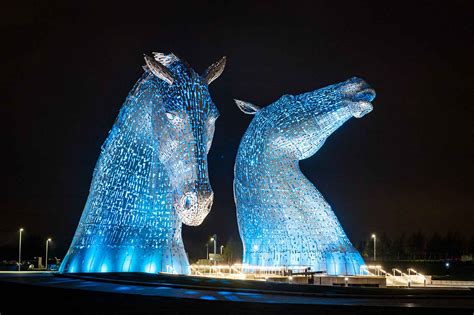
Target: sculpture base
x=99, y=259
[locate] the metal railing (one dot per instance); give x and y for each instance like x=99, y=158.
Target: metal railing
x=238, y=271
x=397, y=277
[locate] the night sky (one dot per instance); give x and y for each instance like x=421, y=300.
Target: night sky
x=405, y=167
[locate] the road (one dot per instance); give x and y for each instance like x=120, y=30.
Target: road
x=169, y=296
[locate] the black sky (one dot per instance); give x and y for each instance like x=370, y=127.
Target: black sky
x=407, y=166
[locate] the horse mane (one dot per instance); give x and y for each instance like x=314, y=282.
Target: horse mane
x=165, y=60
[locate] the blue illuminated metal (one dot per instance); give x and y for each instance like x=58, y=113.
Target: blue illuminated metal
x=151, y=175
x=283, y=219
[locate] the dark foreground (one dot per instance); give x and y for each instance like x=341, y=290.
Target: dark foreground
x=121, y=293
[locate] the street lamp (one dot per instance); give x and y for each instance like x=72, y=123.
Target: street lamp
x=375, y=246
x=19, y=251
x=214, y=239
x=207, y=251
x=46, y=260
x=222, y=248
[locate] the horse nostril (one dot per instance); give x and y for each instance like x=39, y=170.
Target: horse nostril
x=187, y=203
x=210, y=200
x=366, y=95
x=188, y=200
x=209, y=205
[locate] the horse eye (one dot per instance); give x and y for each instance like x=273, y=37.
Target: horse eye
x=175, y=120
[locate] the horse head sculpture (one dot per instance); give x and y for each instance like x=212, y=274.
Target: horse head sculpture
x=151, y=175
x=283, y=219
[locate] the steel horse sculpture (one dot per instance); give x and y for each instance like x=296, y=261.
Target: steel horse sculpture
x=283, y=219
x=151, y=175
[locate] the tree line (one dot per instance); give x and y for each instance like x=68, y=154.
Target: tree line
x=418, y=246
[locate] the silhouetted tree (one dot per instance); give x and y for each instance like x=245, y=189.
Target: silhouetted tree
x=451, y=245
x=232, y=251
x=385, y=248
x=399, y=247
x=363, y=248
x=416, y=246
x=434, y=247
x=471, y=245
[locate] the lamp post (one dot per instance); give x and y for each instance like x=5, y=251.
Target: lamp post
x=222, y=248
x=19, y=251
x=375, y=246
x=214, y=239
x=46, y=260
x=447, y=266
x=207, y=251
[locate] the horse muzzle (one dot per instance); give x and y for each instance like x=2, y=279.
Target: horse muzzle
x=360, y=95
x=193, y=206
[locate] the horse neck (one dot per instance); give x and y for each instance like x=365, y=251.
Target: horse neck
x=133, y=111
x=259, y=165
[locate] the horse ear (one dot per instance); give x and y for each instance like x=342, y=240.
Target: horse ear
x=214, y=71
x=158, y=69
x=246, y=107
